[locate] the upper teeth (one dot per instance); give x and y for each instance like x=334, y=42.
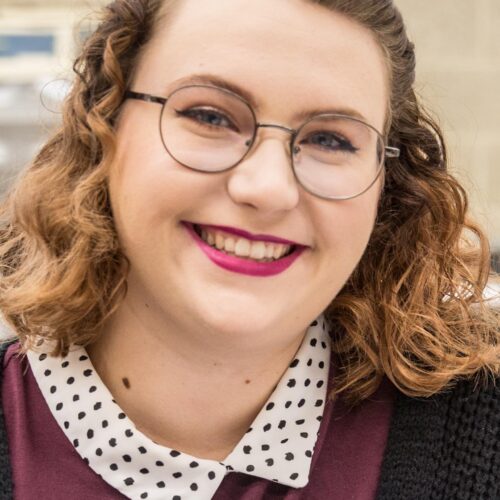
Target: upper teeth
x=243, y=247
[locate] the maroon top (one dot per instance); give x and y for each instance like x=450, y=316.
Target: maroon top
x=345, y=464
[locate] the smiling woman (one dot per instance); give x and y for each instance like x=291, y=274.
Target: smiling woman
x=241, y=264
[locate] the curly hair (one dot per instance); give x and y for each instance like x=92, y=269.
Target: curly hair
x=412, y=310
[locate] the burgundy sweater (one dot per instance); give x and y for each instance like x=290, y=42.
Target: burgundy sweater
x=345, y=465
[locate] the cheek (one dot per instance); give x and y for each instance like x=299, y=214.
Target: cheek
x=348, y=226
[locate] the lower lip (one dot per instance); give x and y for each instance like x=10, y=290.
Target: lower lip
x=244, y=266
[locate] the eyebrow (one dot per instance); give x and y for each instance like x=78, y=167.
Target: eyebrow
x=302, y=116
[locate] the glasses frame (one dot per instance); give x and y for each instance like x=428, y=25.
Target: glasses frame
x=387, y=151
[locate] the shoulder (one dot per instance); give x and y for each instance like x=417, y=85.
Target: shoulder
x=8, y=349
x=445, y=444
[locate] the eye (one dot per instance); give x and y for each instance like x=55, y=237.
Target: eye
x=207, y=118
x=331, y=141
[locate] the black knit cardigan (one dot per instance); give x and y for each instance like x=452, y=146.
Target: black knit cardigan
x=443, y=447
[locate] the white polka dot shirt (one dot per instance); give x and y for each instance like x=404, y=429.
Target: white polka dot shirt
x=278, y=446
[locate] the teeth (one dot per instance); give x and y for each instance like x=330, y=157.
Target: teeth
x=257, y=250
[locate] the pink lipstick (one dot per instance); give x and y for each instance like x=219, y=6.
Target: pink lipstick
x=241, y=265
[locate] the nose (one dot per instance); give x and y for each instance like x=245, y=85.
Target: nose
x=265, y=178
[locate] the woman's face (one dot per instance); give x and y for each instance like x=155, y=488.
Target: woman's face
x=293, y=57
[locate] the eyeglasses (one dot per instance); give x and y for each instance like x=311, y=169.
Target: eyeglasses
x=210, y=129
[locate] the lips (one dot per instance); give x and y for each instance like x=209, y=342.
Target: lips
x=247, y=235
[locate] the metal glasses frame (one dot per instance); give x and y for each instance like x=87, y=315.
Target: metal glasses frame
x=387, y=152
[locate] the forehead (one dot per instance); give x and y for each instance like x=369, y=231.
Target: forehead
x=294, y=57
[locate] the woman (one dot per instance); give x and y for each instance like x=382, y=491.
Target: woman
x=241, y=269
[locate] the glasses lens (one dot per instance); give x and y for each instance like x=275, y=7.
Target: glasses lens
x=337, y=156
x=206, y=128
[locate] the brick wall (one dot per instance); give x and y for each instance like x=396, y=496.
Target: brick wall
x=458, y=67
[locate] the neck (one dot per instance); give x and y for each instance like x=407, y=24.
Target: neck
x=193, y=391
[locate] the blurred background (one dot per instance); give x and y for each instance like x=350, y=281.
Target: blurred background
x=458, y=56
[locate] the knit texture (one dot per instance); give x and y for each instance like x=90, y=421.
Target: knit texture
x=5, y=471
x=444, y=447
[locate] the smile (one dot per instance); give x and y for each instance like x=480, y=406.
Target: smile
x=237, y=254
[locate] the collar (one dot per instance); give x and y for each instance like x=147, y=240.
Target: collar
x=278, y=446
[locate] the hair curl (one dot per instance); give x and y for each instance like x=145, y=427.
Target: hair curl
x=412, y=309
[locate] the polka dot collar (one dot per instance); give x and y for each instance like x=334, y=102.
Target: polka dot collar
x=278, y=446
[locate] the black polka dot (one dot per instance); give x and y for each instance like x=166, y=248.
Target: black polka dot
x=320, y=384
x=112, y=442
x=300, y=422
x=309, y=453
x=309, y=362
x=319, y=418
x=301, y=403
x=70, y=380
x=283, y=441
x=113, y=467
x=83, y=357
x=159, y=463
x=144, y=471
x=229, y=467
x=86, y=460
x=307, y=382
x=269, y=406
x=174, y=453
x=319, y=402
x=66, y=425
x=129, y=481
x=121, y=415
x=129, y=433
x=291, y=382
x=304, y=434
x=314, y=323
x=289, y=456
x=176, y=497
x=194, y=464
x=211, y=475
x=65, y=364
x=104, y=424
x=59, y=406
x=249, y=430
x=269, y=462
x=53, y=389
x=127, y=458
x=265, y=447
x=98, y=452
x=144, y=495
x=76, y=398
x=321, y=364
x=76, y=443
x=266, y=427
x=294, y=476
x=142, y=450
x=288, y=404
x=247, y=449
x=81, y=415
x=177, y=475
x=47, y=373
x=87, y=373
x=193, y=486
x=92, y=389
x=97, y=406
x=250, y=468
x=294, y=363
x=42, y=357
x=282, y=424
x=90, y=434
x=323, y=345
x=313, y=342
x=161, y=484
